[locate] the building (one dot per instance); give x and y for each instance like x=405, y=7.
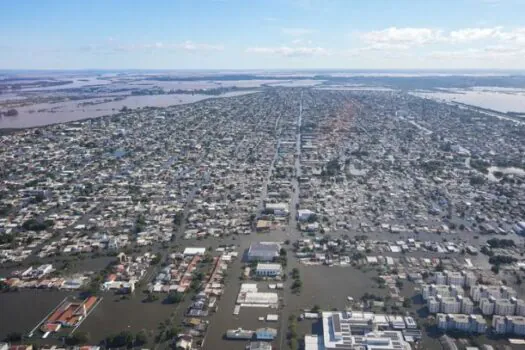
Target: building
x=263, y=251
x=444, y=290
x=450, y=305
x=504, y=307
x=467, y=306
x=266, y=333
x=279, y=209
x=455, y=278
x=520, y=307
x=433, y=305
x=342, y=330
x=191, y=251
x=311, y=342
x=304, y=214
x=440, y=278
x=268, y=270
x=470, y=279
x=487, y=306
x=260, y=345
x=498, y=292
x=462, y=322
x=509, y=325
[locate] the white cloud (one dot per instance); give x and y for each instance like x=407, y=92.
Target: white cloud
x=297, y=31
x=188, y=46
x=289, y=51
x=472, y=34
x=402, y=36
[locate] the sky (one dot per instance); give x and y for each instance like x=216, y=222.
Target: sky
x=262, y=34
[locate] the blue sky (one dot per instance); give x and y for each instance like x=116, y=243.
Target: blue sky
x=262, y=34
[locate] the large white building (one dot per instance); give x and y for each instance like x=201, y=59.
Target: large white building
x=461, y=322
x=360, y=330
x=268, y=270
x=470, y=279
x=263, y=251
x=487, y=306
x=455, y=278
x=450, y=305
x=428, y=290
x=509, y=325
x=467, y=306
x=498, y=292
x=504, y=307
x=520, y=307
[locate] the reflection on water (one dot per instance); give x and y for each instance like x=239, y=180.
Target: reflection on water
x=502, y=101
x=46, y=113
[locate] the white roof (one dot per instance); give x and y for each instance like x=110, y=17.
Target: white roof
x=194, y=251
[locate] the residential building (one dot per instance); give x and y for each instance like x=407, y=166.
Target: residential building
x=504, y=307
x=455, y=278
x=450, y=305
x=520, y=307
x=509, y=325
x=462, y=322
x=470, y=278
x=467, y=306
x=487, y=306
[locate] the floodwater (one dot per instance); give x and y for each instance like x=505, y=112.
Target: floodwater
x=498, y=100
x=22, y=311
x=45, y=113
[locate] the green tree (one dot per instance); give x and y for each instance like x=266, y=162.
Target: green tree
x=78, y=338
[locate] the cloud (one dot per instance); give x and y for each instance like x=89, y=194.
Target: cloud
x=472, y=34
x=297, y=31
x=402, y=36
x=289, y=51
x=188, y=46
x=487, y=53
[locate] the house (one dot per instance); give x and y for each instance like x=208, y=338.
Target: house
x=191, y=251
x=265, y=333
x=268, y=270
x=260, y=345
x=185, y=342
x=304, y=214
x=263, y=251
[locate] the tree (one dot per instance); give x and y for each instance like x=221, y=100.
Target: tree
x=13, y=337
x=124, y=338
x=407, y=303
x=77, y=338
x=316, y=308
x=174, y=298
x=141, y=338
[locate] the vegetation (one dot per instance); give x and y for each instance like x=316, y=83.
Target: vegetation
x=35, y=225
x=501, y=243
x=174, y=298
x=13, y=337
x=502, y=260
x=78, y=338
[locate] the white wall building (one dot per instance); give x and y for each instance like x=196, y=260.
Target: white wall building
x=465, y=323
x=467, y=306
x=268, y=270
x=504, y=307
x=450, y=305
x=487, y=306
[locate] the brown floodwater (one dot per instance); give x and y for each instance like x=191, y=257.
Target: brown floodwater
x=52, y=113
